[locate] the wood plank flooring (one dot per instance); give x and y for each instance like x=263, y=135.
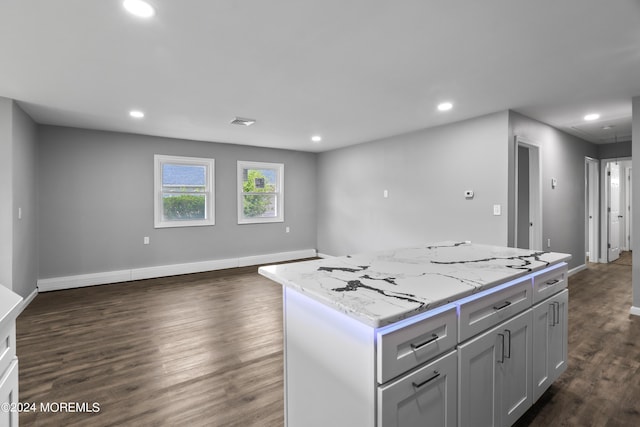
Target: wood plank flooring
x=206, y=350
x=197, y=350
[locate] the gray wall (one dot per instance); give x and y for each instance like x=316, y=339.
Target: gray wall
x=96, y=204
x=612, y=151
x=563, y=208
x=18, y=237
x=426, y=174
x=6, y=193
x=25, y=235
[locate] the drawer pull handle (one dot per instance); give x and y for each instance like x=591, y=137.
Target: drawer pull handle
x=430, y=340
x=509, y=352
x=552, y=282
x=506, y=304
x=436, y=374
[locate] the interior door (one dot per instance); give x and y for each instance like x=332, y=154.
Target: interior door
x=613, y=178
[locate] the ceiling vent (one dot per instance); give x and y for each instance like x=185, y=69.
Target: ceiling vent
x=241, y=121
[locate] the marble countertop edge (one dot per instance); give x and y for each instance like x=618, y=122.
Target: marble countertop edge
x=371, y=294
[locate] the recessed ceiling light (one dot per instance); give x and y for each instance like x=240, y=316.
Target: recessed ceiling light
x=139, y=8
x=316, y=138
x=445, y=106
x=592, y=116
x=241, y=121
x=136, y=114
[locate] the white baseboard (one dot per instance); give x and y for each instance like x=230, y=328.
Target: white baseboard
x=635, y=311
x=27, y=300
x=577, y=269
x=320, y=255
x=81, y=280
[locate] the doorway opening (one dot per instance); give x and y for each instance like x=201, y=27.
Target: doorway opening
x=615, y=222
x=528, y=195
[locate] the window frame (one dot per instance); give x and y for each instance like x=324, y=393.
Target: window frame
x=158, y=211
x=279, y=193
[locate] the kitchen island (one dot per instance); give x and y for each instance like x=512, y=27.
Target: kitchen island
x=451, y=333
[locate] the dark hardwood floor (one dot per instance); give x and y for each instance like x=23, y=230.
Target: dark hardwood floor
x=198, y=350
x=206, y=350
x=601, y=386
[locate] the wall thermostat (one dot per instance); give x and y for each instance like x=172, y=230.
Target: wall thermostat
x=468, y=194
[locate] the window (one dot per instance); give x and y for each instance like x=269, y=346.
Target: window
x=260, y=192
x=183, y=191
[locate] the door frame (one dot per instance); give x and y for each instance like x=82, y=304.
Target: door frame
x=604, y=217
x=592, y=196
x=535, y=192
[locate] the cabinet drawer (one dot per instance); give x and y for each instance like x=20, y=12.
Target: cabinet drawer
x=426, y=397
x=405, y=348
x=7, y=346
x=549, y=283
x=478, y=315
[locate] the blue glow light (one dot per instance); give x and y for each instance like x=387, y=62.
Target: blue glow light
x=359, y=327
x=411, y=320
x=520, y=279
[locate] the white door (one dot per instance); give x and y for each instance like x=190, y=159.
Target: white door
x=613, y=178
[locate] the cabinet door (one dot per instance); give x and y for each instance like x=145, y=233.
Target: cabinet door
x=516, y=370
x=549, y=341
x=495, y=374
x=425, y=397
x=478, y=387
x=9, y=395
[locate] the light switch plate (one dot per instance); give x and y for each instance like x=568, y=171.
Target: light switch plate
x=497, y=210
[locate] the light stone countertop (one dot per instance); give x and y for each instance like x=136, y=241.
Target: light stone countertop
x=384, y=287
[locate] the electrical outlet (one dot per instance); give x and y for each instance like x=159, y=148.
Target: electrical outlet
x=497, y=210
x=287, y=229
x=146, y=240
x=385, y=194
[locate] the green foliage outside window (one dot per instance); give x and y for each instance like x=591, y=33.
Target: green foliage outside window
x=184, y=207
x=256, y=205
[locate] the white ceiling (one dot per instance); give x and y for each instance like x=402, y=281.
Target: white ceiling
x=349, y=70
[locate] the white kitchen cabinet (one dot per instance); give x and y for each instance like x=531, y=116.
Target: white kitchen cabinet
x=425, y=397
x=9, y=307
x=9, y=395
x=495, y=371
x=439, y=335
x=549, y=341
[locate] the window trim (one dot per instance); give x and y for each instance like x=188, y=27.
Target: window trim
x=209, y=164
x=279, y=193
